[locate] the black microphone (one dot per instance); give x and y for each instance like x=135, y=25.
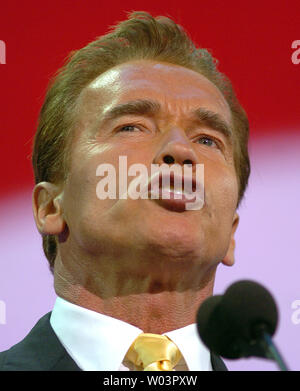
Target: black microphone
x=240, y=323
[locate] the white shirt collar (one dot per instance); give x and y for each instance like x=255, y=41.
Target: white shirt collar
x=97, y=342
x=195, y=353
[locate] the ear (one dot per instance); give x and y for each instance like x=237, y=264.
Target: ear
x=229, y=257
x=47, y=208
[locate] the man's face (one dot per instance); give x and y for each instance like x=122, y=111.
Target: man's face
x=144, y=232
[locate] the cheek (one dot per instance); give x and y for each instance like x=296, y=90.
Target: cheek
x=79, y=198
x=80, y=194
x=221, y=190
x=221, y=202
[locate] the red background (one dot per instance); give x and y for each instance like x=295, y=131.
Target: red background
x=252, y=41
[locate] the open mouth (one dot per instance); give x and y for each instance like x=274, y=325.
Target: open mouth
x=175, y=192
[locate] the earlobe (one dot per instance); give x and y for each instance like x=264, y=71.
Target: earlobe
x=229, y=257
x=47, y=208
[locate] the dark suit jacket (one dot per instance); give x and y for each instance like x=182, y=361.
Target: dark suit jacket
x=41, y=350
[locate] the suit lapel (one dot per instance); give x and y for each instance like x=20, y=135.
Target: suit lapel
x=59, y=358
x=40, y=350
x=217, y=363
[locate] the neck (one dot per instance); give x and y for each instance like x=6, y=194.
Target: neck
x=153, y=305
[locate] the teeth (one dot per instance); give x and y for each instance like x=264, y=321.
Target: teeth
x=173, y=190
x=166, y=191
x=177, y=191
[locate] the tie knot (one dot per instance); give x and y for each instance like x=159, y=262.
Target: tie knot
x=154, y=352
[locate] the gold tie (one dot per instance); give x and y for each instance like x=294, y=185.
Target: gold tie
x=154, y=352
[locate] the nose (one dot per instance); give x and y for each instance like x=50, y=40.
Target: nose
x=176, y=148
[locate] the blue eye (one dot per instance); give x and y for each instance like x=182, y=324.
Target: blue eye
x=127, y=128
x=207, y=141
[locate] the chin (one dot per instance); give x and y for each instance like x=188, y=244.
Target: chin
x=175, y=241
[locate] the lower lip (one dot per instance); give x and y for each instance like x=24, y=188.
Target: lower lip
x=171, y=200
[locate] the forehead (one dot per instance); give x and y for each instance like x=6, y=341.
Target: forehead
x=174, y=86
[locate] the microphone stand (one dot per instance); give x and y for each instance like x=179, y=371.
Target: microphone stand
x=262, y=345
x=272, y=352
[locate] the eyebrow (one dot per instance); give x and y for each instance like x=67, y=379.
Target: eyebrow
x=214, y=121
x=137, y=107
x=150, y=108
